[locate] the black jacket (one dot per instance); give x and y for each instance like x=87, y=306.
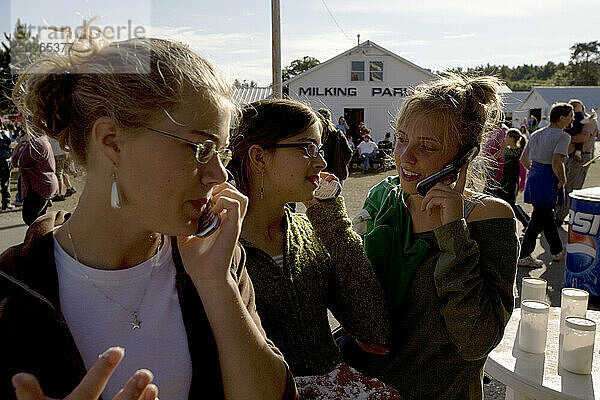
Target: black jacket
x=337, y=153
x=35, y=338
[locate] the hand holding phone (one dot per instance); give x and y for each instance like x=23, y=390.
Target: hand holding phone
x=208, y=260
x=327, y=189
x=209, y=222
x=462, y=158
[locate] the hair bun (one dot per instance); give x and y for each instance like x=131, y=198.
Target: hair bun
x=56, y=92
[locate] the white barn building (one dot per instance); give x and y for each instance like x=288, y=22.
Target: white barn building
x=512, y=106
x=540, y=99
x=365, y=84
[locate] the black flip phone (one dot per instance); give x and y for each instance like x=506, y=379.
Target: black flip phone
x=464, y=156
x=209, y=221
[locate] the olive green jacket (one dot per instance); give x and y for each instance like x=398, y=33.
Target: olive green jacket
x=324, y=267
x=453, y=314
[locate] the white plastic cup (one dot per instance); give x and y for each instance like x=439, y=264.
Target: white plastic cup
x=573, y=303
x=534, y=326
x=577, y=351
x=533, y=288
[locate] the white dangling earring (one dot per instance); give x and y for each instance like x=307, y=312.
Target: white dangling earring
x=115, y=196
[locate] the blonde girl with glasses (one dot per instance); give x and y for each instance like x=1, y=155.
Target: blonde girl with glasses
x=446, y=258
x=149, y=120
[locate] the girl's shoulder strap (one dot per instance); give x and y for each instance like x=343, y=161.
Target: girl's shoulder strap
x=472, y=201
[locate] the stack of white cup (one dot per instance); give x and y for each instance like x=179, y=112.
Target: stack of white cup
x=577, y=333
x=534, y=315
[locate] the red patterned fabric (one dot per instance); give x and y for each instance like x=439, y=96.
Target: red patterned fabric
x=344, y=383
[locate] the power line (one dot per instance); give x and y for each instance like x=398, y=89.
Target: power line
x=334, y=20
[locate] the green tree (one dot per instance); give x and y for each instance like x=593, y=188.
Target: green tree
x=563, y=75
x=243, y=84
x=296, y=67
x=585, y=59
x=23, y=46
x=6, y=80
x=18, y=50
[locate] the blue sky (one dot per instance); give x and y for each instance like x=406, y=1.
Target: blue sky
x=434, y=34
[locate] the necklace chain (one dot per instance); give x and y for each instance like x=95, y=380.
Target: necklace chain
x=135, y=322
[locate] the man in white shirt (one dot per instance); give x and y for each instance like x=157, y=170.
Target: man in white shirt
x=544, y=157
x=367, y=150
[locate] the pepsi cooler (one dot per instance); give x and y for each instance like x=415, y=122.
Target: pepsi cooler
x=583, y=258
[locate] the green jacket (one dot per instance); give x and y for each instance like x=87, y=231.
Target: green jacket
x=324, y=267
x=389, y=242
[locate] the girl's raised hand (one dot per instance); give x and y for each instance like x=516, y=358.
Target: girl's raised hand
x=138, y=387
x=207, y=259
x=449, y=201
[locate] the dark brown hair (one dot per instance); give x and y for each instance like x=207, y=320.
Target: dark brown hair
x=560, y=110
x=517, y=134
x=266, y=123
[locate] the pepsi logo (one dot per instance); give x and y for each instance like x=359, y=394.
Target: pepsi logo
x=584, y=223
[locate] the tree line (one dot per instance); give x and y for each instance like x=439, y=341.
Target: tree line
x=583, y=69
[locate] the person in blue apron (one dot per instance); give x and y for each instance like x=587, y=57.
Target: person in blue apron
x=544, y=157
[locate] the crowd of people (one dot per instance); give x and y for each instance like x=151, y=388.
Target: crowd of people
x=43, y=169
x=546, y=160
x=183, y=250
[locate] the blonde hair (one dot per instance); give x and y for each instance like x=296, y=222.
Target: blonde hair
x=135, y=83
x=466, y=109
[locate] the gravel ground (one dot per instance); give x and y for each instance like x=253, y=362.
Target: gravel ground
x=495, y=390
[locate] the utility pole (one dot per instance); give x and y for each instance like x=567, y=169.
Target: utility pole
x=276, y=49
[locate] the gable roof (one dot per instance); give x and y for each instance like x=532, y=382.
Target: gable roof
x=589, y=95
x=513, y=100
x=367, y=44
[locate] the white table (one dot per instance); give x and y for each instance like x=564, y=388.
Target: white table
x=538, y=376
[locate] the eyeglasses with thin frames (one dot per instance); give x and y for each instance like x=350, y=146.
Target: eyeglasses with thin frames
x=205, y=150
x=311, y=149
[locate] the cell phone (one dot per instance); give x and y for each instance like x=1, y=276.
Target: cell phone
x=209, y=221
x=463, y=157
x=327, y=189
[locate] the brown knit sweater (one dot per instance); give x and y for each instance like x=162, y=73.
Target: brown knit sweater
x=324, y=267
x=454, y=312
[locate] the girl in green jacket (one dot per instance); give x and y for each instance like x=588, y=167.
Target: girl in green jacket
x=445, y=258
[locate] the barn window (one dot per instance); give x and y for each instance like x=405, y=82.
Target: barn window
x=357, y=72
x=376, y=71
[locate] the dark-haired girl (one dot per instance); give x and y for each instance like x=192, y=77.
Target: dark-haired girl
x=301, y=264
x=512, y=147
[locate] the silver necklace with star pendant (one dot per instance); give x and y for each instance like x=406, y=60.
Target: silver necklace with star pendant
x=135, y=321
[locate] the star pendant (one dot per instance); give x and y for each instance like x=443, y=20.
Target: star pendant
x=135, y=322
